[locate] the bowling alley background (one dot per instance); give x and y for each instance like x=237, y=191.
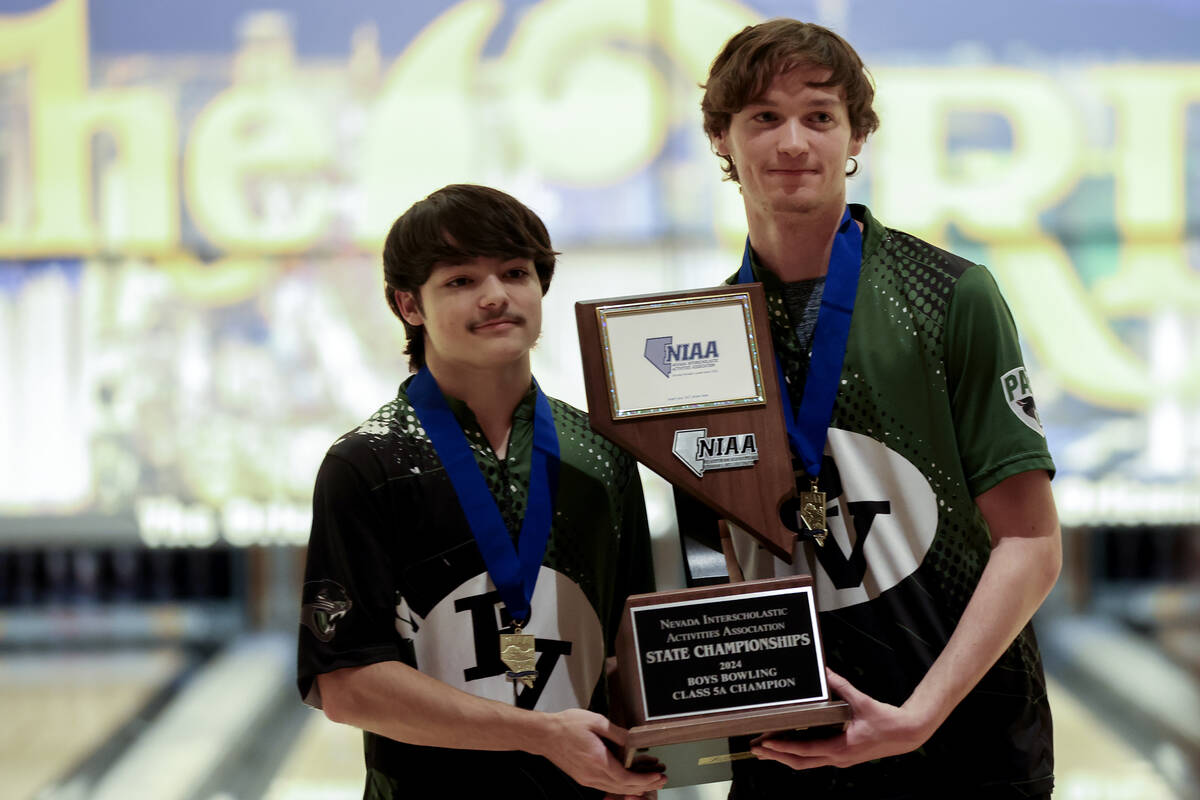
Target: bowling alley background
x=193, y=198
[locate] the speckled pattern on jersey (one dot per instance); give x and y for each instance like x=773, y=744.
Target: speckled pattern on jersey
x=392, y=544
x=930, y=339
x=395, y=434
x=913, y=284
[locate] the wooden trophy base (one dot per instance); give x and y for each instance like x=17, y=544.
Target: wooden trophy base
x=701, y=749
x=702, y=672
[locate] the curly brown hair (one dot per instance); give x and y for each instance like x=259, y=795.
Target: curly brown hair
x=750, y=60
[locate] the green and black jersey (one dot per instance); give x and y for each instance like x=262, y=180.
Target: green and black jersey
x=394, y=574
x=934, y=408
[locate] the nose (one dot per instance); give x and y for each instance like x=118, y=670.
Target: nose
x=492, y=292
x=793, y=138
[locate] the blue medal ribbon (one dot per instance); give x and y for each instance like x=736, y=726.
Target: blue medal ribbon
x=514, y=570
x=808, y=425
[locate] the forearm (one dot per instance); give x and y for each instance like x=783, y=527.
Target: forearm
x=1015, y=581
x=1025, y=559
x=1017, y=578
x=1024, y=564
x=397, y=701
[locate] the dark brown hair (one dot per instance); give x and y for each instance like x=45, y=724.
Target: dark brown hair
x=456, y=224
x=752, y=58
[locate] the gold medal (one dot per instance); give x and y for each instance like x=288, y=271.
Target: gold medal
x=812, y=513
x=517, y=653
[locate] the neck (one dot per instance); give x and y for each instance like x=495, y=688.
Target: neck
x=794, y=245
x=491, y=393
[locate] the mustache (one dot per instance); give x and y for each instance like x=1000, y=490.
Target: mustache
x=516, y=319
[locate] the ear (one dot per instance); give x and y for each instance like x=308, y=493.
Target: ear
x=856, y=146
x=720, y=142
x=410, y=309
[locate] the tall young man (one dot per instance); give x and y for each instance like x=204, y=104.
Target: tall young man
x=473, y=541
x=914, y=418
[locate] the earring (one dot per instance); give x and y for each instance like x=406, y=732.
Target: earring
x=853, y=169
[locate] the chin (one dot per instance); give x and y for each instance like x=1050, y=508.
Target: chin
x=794, y=206
x=501, y=356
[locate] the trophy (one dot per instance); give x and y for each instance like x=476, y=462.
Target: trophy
x=678, y=380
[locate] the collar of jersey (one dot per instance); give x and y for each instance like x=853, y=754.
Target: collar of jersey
x=872, y=235
x=466, y=417
x=520, y=439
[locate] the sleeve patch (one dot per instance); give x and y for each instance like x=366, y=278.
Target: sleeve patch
x=325, y=602
x=1019, y=395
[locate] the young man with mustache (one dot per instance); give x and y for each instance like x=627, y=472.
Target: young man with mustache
x=473, y=542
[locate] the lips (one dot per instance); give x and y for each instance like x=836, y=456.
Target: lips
x=497, y=323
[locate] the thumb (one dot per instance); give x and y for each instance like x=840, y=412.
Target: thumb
x=605, y=728
x=844, y=688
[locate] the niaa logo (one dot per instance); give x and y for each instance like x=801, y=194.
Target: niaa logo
x=663, y=353
x=701, y=452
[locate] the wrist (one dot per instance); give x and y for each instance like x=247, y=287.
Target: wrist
x=922, y=719
x=539, y=732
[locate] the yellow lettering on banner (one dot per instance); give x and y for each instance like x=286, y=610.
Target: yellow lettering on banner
x=1149, y=171
x=695, y=31
x=1070, y=336
x=585, y=112
x=219, y=283
x=589, y=104
x=425, y=129
x=589, y=112
x=1149, y=105
x=53, y=211
x=137, y=195
x=1152, y=276
x=50, y=45
x=692, y=34
x=997, y=197
x=253, y=169
x=989, y=194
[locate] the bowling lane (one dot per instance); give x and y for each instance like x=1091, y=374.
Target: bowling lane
x=59, y=707
x=1092, y=762
x=325, y=762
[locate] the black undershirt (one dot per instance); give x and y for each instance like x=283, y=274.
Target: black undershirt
x=802, y=299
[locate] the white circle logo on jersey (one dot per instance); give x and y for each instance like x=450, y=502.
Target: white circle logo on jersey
x=457, y=642
x=880, y=526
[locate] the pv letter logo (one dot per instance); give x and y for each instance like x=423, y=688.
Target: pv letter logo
x=1019, y=395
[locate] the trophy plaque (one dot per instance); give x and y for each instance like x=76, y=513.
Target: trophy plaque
x=678, y=380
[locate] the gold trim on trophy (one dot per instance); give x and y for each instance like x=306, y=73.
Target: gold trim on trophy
x=618, y=411
x=724, y=759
